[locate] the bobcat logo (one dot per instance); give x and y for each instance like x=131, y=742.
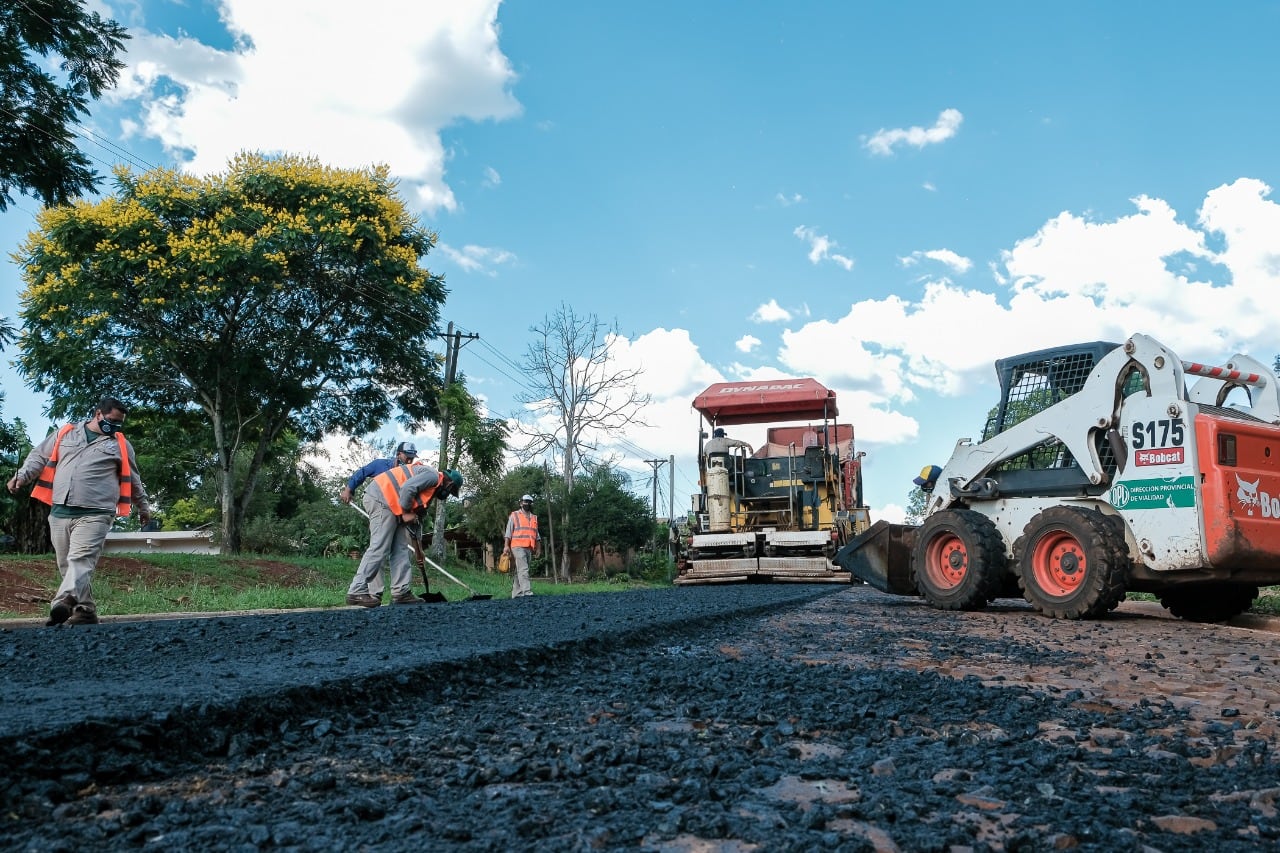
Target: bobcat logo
x=1247, y=494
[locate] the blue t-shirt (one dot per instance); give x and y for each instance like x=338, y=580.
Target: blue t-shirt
x=373, y=469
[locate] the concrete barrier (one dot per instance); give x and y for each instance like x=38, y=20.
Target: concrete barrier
x=162, y=541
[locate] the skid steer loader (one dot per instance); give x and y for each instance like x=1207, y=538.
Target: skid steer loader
x=1100, y=472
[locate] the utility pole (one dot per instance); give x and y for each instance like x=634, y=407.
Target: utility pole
x=671, y=494
x=655, y=464
x=671, y=501
x=452, y=343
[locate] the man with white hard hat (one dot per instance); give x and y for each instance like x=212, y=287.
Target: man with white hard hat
x=523, y=541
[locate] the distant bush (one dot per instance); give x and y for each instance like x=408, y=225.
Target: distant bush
x=269, y=535
x=655, y=567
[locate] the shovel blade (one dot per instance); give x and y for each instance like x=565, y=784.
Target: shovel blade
x=432, y=597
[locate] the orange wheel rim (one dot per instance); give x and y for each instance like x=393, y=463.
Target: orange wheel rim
x=946, y=561
x=1059, y=563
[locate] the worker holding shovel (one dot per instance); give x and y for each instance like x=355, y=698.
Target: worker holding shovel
x=395, y=499
x=406, y=452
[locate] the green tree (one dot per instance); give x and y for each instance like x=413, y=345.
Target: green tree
x=477, y=440
x=294, y=511
x=606, y=516
x=279, y=296
x=176, y=457
x=916, y=500
x=188, y=514
x=38, y=113
x=25, y=520
x=494, y=500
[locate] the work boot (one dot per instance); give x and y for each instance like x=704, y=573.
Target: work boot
x=60, y=608
x=83, y=614
x=363, y=599
x=406, y=598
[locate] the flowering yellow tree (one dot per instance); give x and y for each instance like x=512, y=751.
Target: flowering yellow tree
x=280, y=294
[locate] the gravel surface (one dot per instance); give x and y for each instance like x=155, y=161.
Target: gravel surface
x=725, y=718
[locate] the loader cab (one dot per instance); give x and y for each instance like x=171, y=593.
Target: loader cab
x=1029, y=384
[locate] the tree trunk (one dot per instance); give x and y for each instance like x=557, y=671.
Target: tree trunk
x=235, y=504
x=230, y=537
x=31, y=527
x=230, y=524
x=565, y=569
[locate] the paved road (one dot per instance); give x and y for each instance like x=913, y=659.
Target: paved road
x=699, y=719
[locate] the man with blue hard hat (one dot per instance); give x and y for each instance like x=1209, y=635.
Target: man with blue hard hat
x=406, y=452
x=396, y=498
x=928, y=478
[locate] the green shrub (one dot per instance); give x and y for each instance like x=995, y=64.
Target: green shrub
x=652, y=567
x=269, y=535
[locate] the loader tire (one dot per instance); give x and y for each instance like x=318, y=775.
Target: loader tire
x=1208, y=602
x=958, y=562
x=1073, y=563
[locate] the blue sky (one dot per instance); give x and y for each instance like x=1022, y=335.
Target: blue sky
x=884, y=196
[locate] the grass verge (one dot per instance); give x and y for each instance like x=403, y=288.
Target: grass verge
x=138, y=584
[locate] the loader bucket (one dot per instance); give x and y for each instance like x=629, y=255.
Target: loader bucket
x=881, y=557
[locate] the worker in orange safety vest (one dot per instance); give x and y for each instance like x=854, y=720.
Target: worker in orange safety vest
x=87, y=474
x=393, y=500
x=522, y=541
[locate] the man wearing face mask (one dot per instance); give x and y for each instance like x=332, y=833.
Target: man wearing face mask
x=522, y=542
x=87, y=474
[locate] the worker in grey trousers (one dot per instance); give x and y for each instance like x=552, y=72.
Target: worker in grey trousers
x=393, y=500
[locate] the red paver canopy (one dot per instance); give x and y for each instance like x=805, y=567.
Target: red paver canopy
x=766, y=402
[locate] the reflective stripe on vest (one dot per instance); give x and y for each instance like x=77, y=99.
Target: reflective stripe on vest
x=124, y=505
x=524, y=529
x=43, y=490
x=390, y=481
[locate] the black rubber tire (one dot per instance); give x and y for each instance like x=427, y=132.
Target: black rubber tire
x=1073, y=563
x=1208, y=602
x=958, y=561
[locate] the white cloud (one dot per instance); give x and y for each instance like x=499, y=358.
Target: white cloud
x=882, y=142
x=673, y=373
x=913, y=375
x=958, y=263
x=770, y=312
x=788, y=201
x=892, y=513
x=491, y=177
x=481, y=259
x=294, y=83
x=747, y=343
x=1074, y=280
x=820, y=246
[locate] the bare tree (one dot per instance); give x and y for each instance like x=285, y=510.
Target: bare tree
x=577, y=393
